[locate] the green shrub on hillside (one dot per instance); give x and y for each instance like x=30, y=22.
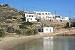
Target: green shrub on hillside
x=9, y=17
x=25, y=24
x=2, y=33
x=18, y=32
x=31, y=32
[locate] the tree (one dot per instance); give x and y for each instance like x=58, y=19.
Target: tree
x=2, y=33
x=29, y=32
x=35, y=31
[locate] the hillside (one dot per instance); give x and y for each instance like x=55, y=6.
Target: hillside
x=6, y=10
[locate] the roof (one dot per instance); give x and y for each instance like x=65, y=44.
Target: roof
x=46, y=27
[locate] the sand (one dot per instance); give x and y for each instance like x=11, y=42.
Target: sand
x=9, y=42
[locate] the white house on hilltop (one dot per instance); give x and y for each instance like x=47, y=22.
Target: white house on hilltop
x=44, y=15
x=30, y=18
x=60, y=18
x=66, y=19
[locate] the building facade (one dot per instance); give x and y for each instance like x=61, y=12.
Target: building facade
x=30, y=18
x=44, y=16
x=46, y=29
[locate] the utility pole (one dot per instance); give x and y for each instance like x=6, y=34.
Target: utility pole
x=69, y=13
x=55, y=12
x=33, y=8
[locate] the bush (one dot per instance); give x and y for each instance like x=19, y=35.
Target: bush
x=32, y=32
x=35, y=31
x=9, y=17
x=23, y=25
x=2, y=33
x=27, y=23
x=29, y=32
x=18, y=32
x=2, y=19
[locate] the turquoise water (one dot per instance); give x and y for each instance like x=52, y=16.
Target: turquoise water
x=49, y=43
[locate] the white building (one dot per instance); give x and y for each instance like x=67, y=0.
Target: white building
x=65, y=18
x=60, y=18
x=57, y=17
x=30, y=18
x=46, y=29
x=44, y=15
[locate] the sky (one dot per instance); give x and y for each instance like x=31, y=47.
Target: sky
x=65, y=8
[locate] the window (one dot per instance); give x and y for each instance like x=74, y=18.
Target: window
x=29, y=15
x=31, y=18
x=50, y=30
x=46, y=13
x=26, y=15
x=42, y=13
x=32, y=15
x=39, y=13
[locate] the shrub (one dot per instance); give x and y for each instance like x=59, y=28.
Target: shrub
x=18, y=32
x=9, y=17
x=27, y=23
x=29, y=32
x=2, y=33
x=32, y=32
x=23, y=25
x=35, y=31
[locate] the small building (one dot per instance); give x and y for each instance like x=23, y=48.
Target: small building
x=65, y=19
x=30, y=18
x=46, y=29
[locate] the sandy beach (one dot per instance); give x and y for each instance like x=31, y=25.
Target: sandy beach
x=9, y=42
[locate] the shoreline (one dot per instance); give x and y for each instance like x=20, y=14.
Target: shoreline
x=9, y=42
